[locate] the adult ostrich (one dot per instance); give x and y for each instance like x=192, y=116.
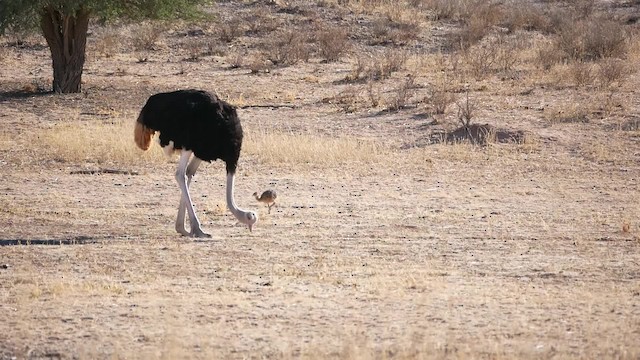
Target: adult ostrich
x=203, y=128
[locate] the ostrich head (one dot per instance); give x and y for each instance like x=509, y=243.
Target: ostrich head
x=248, y=218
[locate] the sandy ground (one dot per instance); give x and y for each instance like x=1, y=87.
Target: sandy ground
x=421, y=251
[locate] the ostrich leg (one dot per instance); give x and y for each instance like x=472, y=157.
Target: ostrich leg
x=191, y=171
x=181, y=177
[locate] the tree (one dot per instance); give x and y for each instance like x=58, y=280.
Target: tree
x=64, y=24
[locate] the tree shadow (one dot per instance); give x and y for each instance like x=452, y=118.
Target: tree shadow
x=78, y=240
x=6, y=95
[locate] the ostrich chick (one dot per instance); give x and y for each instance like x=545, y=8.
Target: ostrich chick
x=268, y=197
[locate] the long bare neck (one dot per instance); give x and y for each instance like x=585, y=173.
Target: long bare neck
x=231, y=203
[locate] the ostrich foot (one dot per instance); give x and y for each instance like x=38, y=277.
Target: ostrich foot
x=198, y=233
x=181, y=230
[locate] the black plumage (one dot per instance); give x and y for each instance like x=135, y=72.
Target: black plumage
x=195, y=120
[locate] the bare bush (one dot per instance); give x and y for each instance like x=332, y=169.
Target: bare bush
x=591, y=39
x=230, y=30
x=258, y=63
x=481, y=60
x=388, y=31
x=373, y=95
x=288, y=48
x=525, y=16
x=389, y=62
x=359, y=69
x=447, y=9
x=260, y=21
x=581, y=73
x=466, y=110
x=477, y=26
x=332, y=42
x=441, y=96
x=611, y=71
x=145, y=37
x=108, y=43
x=377, y=67
x=583, y=8
x=547, y=55
x=402, y=94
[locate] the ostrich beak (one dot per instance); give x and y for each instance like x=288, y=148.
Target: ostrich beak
x=250, y=226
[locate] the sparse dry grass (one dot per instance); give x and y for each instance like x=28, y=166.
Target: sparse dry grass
x=291, y=149
x=101, y=143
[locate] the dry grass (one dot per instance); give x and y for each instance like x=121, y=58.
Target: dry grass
x=286, y=148
x=515, y=249
x=111, y=143
x=100, y=143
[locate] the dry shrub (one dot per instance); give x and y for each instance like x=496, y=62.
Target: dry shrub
x=389, y=62
x=229, y=30
x=441, y=96
x=483, y=16
x=258, y=63
x=495, y=54
x=260, y=21
x=446, y=9
x=288, y=47
x=377, y=67
x=389, y=31
x=359, y=69
x=108, y=43
x=373, y=95
x=400, y=96
x=466, y=110
x=525, y=16
x=582, y=8
x=592, y=39
x=581, y=73
x=282, y=148
x=196, y=48
x=548, y=55
x=611, y=71
x=332, y=42
x=348, y=100
x=146, y=36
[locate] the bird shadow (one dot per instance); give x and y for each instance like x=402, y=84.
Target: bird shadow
x=78, y=240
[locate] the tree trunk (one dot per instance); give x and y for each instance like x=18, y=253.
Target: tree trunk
x=66, y=35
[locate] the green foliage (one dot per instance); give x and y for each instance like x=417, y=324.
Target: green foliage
x=24, y=15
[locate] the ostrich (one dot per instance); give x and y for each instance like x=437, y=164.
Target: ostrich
x=203, y=128
x=268, y=197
